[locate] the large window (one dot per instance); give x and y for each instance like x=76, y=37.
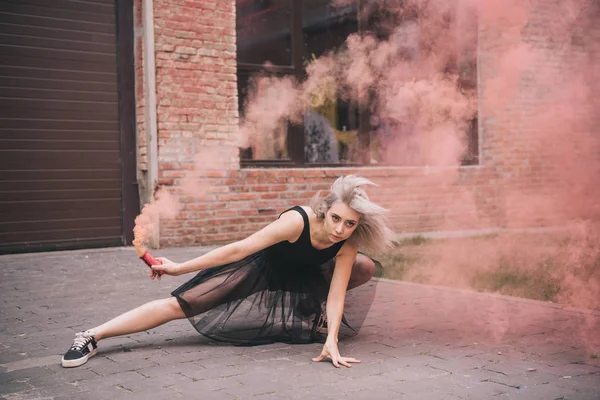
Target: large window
x=280, y=39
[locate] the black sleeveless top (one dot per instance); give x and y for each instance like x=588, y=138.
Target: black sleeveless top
x=301, y=253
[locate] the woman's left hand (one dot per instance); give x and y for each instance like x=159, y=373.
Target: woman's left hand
x=330, y=350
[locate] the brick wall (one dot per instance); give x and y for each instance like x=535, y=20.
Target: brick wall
x=240, y=202
x=531, y=134
x=197, y=113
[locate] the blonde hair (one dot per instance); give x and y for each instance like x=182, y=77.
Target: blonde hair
x=373, y=231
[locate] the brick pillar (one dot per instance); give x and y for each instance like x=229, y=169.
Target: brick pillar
x=197, y=103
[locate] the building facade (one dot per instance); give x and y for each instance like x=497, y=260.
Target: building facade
x=201, y=75
x=106, y=101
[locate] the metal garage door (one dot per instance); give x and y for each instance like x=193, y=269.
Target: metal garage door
x=60, y=152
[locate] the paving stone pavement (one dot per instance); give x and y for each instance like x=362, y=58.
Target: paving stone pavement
x=419, y=342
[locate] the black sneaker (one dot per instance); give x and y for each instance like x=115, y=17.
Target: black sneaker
x=84, y=346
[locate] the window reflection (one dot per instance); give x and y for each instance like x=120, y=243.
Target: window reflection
x=325, y=27
x=264, y=31
x=331, y=133
x=265, y=123
x=330, y=130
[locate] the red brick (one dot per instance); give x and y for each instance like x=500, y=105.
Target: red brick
x=314, y=173
x=247, y=196
x=197, y=207
x=216, y=174
x=218, y=206
x=228, y=197
x=248, y=212
x=226, y=213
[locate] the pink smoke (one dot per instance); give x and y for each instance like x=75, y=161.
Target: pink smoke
x=270, y=104
x=526, y=72
x=163, y=205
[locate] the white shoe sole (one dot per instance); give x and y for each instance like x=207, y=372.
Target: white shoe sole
x=79, y=361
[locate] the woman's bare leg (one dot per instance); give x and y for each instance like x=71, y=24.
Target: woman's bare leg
x=144, y=317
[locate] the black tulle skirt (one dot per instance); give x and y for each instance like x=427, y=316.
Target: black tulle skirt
x=251, y=302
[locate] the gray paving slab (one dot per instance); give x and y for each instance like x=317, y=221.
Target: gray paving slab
x=418, y=342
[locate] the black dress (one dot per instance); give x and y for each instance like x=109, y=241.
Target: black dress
x=272, y=295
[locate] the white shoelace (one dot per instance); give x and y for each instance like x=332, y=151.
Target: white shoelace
x=81, y=340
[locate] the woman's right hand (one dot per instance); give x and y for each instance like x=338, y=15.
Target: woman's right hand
x=167, y=267
x=331, y=351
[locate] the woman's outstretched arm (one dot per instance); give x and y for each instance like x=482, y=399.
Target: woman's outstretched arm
x=335, y=306
x=288, y=227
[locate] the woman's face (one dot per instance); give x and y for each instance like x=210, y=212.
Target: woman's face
x=340, y=222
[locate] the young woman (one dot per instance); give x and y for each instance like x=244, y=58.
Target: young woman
x=271, y=286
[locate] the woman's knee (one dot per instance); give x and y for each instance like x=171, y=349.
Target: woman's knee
x=366, y=266
x=362, y=271
x=171, y=307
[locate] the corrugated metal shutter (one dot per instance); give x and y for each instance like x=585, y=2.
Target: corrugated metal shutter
x=60, y=170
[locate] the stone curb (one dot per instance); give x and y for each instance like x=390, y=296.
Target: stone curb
x=562, y=307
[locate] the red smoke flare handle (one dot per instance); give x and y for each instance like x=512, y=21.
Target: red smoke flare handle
x=150, y=261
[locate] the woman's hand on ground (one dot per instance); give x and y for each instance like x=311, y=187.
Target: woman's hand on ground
x=167, y=267
x=330, y=351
